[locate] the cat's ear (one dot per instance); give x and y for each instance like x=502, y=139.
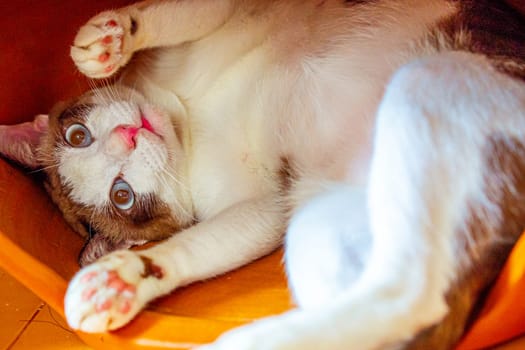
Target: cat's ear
x=20, y=142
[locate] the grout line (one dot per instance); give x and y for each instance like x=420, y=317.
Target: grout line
x=55, y=321
x=33, y=316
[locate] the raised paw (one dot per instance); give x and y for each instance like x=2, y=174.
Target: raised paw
x=104, y=44
x=109, y=293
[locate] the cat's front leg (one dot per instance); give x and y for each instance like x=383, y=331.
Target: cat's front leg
x=108, y=40
x=110, y=292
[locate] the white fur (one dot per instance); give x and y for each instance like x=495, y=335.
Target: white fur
x=310, y=88
x=323, y=257
x=416, y=200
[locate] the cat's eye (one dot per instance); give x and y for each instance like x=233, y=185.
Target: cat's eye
x=122, y=195
x=77, y=135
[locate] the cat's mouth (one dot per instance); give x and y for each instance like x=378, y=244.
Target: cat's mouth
x=147, y=125
x=151, y=121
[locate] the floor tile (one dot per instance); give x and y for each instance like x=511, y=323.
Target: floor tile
x=17, y=306
x=27, y=323
x=48, y=331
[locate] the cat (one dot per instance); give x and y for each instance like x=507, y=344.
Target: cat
x=384, y=137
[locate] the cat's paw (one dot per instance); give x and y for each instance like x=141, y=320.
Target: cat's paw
x=104, y=44
x=110, y=292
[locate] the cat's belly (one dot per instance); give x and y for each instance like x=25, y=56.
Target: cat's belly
x=222, y=174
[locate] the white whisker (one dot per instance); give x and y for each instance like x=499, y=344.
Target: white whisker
x=53, y=166
x=178, y=183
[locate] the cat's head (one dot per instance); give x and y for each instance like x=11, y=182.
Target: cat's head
x=112, y=163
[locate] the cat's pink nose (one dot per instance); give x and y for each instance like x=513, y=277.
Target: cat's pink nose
x=127, y=133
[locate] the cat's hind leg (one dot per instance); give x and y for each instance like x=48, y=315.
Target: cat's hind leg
x=327, y=244
x=428, y=174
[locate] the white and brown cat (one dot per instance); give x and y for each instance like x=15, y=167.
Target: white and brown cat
x=385, y=137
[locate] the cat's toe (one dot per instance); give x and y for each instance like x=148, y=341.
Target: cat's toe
x=103, y=45
x=104, y=296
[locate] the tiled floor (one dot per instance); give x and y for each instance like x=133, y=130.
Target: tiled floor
x=26, y=322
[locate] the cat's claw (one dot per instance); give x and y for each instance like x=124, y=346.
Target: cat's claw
x=105, y=295
x=103, y=45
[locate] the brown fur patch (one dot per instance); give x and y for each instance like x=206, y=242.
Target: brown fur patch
x=491, y=28
x=485, y=242
x=286, y=175
x=151, y=269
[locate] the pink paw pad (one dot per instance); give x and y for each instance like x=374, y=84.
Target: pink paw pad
x=109, y=68
x=88, y=294
x=107, y=40
x=114, y=292
x=88, y=277
x=125, y=307
x=115, y=282
x=103, y=57
x=103, y=306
